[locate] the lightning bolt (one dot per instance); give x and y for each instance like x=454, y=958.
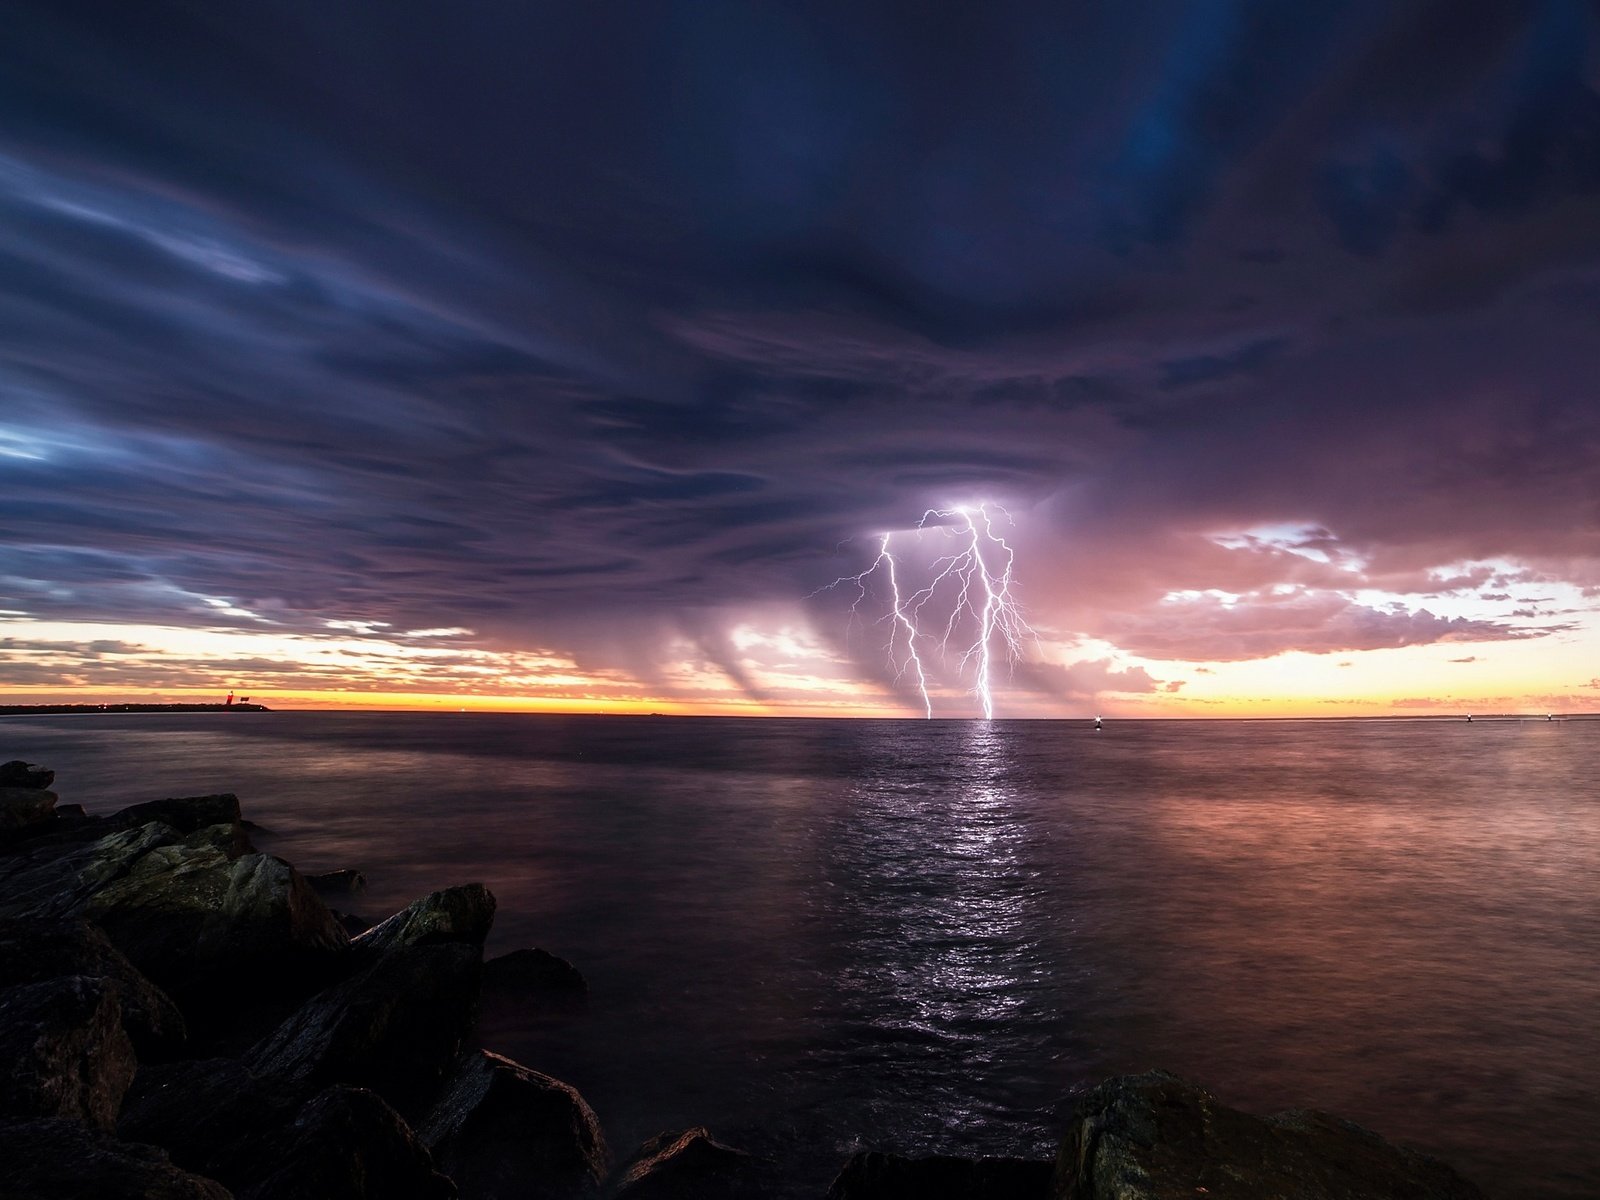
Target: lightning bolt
x=971, y=588
x=911, y=660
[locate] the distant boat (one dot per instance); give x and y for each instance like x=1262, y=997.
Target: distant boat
x=1098, y=725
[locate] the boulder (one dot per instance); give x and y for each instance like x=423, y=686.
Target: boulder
x=222, y=933
x=35, y=950
x=691, y=1165
x=353, y=924
x=68, y=1160
x=395, y=1027
x=347, y=1143
x=458, y=914
x=530, y=984
x=874, y=1176
x=207, y=925
x=25, y=809
x=339, y=883
x=63, y=1051
x=18, y=774
x=186, y=814
x=209, y=1114
x=1155, y=1137
x=503, y=1131
x=51, y=878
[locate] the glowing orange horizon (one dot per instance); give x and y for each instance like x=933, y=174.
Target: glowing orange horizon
x=1127, y=708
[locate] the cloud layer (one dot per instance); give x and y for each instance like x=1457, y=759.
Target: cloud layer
x=593, y=329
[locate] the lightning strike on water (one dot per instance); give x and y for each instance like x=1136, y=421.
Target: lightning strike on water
x=971, y=588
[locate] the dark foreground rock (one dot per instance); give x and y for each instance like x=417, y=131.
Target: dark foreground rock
x=348, y=1143
x=1155, y=1137
x=394, y=1027
x=25, y=809
x=209, y=1114
x=353, y=924
x=19, y=774
x=214, y=928
x=35, y=950
x=63, y=1051
x=458, y=914
x=873, y=1176
x=70, y=825
x=68, y=1160
x=186, y=814
x=692, y=1165
x=502, y=1131
x=338, y=883
x=531, y=984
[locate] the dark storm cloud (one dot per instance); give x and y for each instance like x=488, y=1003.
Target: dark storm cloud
x=572, y=324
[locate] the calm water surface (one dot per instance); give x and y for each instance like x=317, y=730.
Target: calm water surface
x=817, y=936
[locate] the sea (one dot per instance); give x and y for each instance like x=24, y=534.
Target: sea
x=821, y=936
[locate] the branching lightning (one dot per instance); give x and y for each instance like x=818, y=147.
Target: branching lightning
x=971, y=593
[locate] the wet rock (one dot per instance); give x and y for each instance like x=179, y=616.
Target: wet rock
x=209, y=926
x=691, y=1165
x=503, y=1131
x=1153, y=1136
x=348, y=1143
x=68, y=1160
x=873, y=1176
x=352, y=923
x=23, y=809
x=458, y=914
x=186, y=814
x=209, y=1114
x=395, y=1026
x=56, y=877
x=220, y=932
x=18, y=774
x=339, y=883
x=63, y=1051
x=183, y=815
x=529, y=984
x=35, y=950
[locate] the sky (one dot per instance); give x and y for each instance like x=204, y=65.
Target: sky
x=550, y=356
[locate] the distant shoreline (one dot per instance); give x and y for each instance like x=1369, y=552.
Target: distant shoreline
x=24, y=710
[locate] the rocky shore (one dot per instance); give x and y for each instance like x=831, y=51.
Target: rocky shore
x=183, y=1017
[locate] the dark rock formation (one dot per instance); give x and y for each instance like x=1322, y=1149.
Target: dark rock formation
x=352, y=923
x=186, y=814
x=18, y=774
x=68, y=1160
x=202, y=921
x=873, y=1176
x=349, y=1144
x=503, y=1131
x=63, y=1051
x=209, y=1114
x=1154, y=1137
x=339, y=883
x=459, y=914
x=691, y=1165
x=69, y=825
x=24, y=810
x=530, y=984
x=394, y=1027
x=35, y=950
x=53, y=879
